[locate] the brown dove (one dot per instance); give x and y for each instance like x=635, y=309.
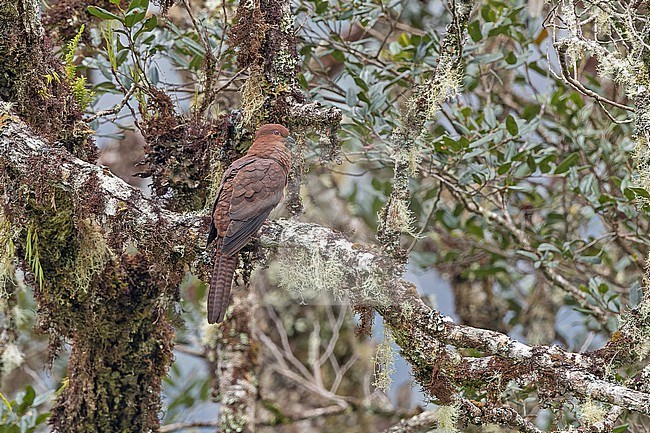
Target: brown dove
x=250, y=188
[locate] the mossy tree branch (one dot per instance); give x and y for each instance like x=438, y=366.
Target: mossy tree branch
x=118, y=206
x=419, y=330
x=35, y=82
x=395, y=218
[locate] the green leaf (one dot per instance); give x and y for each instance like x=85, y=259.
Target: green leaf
x=153, y=75
x=148, y=26
x=474, y=30
x=103, y=13
x=511, y=125
x=151, y=23
x=586, y=311
x=451, y=143
x=362, y=84
x=351, y=97
x=121, y=57
x=531, y=111
x=488, y=271
x=641, y=192
x=543, y=247
x=501, y=30
x=144, y=4
x=528, y=254
x=488, y=14
x=568, y=162
x=41, y=418
x=28, y=399
x=577, y=99
x=338, y=56
x=530, y=162
x=42, y=398
x=503, y=168
x=592, y=260
x=474, y=229
x=404, y=40
x=545, y=164
x=134, y=17
x=620, y=429
x=395, y=48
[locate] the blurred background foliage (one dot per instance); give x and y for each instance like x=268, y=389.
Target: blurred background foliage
x=514, y=140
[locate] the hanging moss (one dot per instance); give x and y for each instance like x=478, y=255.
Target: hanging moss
x=180, y=151
x=56, y=250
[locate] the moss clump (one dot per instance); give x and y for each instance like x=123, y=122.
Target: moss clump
x=248, y=33
x=34, y=81
x=120, y=353
x=180, y=151
x=253, y=100
x=591, y=412
x=267, y=47
x=447, y=417
x=399, y=218
x=7, y=257
x=55, y=248
x=372, y=289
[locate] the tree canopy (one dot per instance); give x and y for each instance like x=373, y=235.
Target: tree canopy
x=463, y=244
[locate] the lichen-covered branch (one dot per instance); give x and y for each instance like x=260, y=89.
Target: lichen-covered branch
x=118, y=206
x=236, y=367
x=420, y=423
x=420, y=330
x=395, y=218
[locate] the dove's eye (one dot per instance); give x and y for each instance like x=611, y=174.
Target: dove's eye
x=276, y=132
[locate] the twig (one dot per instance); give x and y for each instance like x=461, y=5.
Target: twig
x=209, y=60
x=507, y=223
x=179, y=426
x=577, y=85
x=116, y=109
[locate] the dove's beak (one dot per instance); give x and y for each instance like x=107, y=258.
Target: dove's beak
x=291, y=140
